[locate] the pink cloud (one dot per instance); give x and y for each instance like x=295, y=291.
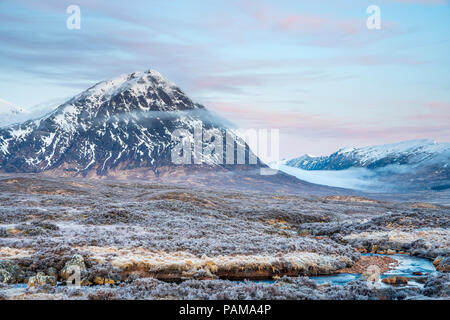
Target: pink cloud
x=440, y=106
x=435, y=112
x=318, y=29
x=225, y=83
x=325, y=127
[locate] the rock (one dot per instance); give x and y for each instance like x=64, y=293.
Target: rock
x=370, y=265
x=419, y=279
x=442, y=264
x=394, y=280
x=85, y=283
x=390, y=251
x=40, y=279
x=76, y=262
x=14, y=231
x=52, y=272
x=102, y=281
x=437, y=261
x=9, y=272
x=199, y=274
x=437, y=285
x=417, y=273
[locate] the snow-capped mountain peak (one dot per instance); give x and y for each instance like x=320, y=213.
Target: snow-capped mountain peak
x=149, y=86
x=125, y=122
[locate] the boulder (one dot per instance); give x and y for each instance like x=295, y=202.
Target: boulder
x=85, y=283
x=102, y=281
x=419, y=279
x=437, y=285
x=9, y=272
x=394, y=280
x=76, y=262
x=40, y=279
x=52, y=272
x=442, y=263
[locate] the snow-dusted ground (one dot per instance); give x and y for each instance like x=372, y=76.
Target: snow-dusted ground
x=132, y=230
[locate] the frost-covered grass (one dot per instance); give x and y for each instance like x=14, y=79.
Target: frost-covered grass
x=135, y=229
x=185, y=264
x=301, y=288
x=418, y=230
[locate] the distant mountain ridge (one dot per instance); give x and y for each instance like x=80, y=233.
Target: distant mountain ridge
x=12, y=114
x=416, y=164
x=414, y=152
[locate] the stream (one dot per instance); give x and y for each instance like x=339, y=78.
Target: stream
x=407, y=266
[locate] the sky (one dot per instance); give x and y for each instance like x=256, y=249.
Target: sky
x=312, y=69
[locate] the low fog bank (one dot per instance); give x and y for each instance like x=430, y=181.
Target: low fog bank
x=354, y=178
x=391, y=178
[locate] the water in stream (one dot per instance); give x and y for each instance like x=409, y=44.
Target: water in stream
x=407, y=266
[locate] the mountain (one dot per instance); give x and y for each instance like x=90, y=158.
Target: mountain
x=414, y=152
x=122, y=123
x=122, y=128
x=10, y=113
x=413, y=165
